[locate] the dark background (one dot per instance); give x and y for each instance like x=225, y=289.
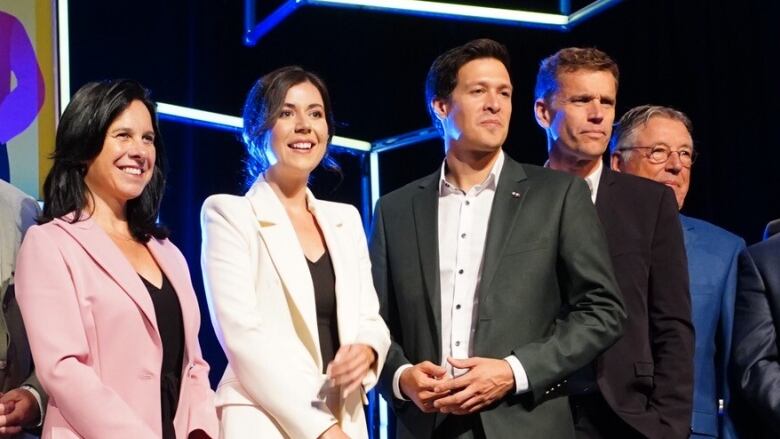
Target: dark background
x=714, y=62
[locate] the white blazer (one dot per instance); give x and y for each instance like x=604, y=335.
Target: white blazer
x=262, y=305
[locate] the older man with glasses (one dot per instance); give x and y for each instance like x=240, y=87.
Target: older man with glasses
x=656, y=143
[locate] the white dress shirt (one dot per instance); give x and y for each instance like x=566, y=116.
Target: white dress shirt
x=593, y=181
x=462, y=228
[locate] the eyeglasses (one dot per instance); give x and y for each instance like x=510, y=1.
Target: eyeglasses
x=661, y=153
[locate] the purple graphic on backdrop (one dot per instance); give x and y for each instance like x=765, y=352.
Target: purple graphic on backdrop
x=20, y=106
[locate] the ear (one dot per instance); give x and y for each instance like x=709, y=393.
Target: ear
x=440, y=108
x=542, y=113
x=616, y=162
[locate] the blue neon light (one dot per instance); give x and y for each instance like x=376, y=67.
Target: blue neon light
x=453, y=11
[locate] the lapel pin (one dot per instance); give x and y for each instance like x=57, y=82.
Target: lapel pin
x=515, y=194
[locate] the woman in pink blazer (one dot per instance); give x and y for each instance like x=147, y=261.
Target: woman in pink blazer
x=110, y=312
x=288, y=280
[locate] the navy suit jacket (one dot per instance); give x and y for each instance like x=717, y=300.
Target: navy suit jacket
x=756, y=353
x=712, y=268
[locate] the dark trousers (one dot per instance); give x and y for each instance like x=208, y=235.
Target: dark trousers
x=460, y=427
x=595, y=419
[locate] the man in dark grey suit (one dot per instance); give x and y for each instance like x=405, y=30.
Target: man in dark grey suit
x=493, y=276
x=21, y=395
x=642, y=386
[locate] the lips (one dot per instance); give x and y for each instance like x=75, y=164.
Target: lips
x=491, y=122
x=594, y=133
x=132, y=170
x=301, y=146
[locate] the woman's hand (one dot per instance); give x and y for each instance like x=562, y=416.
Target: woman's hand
x=350, y=366
x=334, y=432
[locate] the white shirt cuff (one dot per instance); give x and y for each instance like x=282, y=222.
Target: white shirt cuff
x=397, y=380
x=37, y=397
x=521, y=379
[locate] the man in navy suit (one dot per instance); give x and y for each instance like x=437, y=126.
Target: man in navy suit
x=756, y=354
x=655, y=142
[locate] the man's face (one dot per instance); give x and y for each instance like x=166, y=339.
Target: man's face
x=578, y=117
x=660, y=132
x=476, y=115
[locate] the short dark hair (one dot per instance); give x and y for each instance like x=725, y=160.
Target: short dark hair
x=80, y=137
x=262, y=108
x=443, y=75
x=568, y=60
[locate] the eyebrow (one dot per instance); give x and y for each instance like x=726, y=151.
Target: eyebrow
x=315, y=105
x=685, y=145
x=590, y=97
x=485, y=83
x=118, y=129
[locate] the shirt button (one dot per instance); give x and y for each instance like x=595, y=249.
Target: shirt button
x=462, y=235
x=457, y=343
x=460, y=271
x=457, y=306
x=467, y=202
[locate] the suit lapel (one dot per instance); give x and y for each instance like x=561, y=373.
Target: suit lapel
x=604, y=201
x=510, y=193
x=689, y=231
x=166, y=260
x=333, y=232
x=108, y=256
x=277, y=233
x=425, y=206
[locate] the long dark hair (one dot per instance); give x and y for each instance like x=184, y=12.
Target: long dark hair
x=80, y=138
x=262, y=108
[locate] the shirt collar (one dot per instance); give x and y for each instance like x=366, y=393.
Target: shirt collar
x=490, y=182
x=593, y=180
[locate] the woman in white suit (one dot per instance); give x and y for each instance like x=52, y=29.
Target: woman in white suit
x=288, y=279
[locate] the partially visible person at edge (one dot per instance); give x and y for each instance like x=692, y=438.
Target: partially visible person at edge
x=756, y=353
x=110, y=311
x=288, y=279
x=656, y=143
x=22, y=399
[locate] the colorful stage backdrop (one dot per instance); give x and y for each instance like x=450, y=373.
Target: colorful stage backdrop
x=28, y=91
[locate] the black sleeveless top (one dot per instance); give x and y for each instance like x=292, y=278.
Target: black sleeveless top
x=171, y=326
x=325, y=299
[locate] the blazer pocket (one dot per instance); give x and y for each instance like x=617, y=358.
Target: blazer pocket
x=523, y=247
x=643, y=369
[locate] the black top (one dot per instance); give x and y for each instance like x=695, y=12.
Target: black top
x=325, y=298
x=169, y=322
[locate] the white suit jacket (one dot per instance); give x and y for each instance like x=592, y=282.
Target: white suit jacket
x=262, y=304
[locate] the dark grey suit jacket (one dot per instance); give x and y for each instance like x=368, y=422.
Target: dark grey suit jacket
x=547, y=294
x=756, y=346
x=647, y=376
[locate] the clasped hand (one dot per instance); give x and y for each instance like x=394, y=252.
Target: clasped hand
x=433, y=390
x=18, y=408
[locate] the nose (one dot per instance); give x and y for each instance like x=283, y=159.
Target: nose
x=674, y=164
x=138, y=150
x=492, y=102
x=302, y=124
x=595, y=112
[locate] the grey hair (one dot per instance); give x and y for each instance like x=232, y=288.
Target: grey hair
x=625, y=130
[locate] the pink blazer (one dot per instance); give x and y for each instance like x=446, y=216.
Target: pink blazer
x=94, y=338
